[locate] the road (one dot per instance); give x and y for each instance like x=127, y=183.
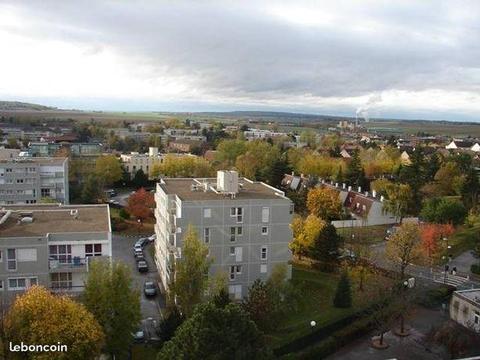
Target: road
x=122, y=248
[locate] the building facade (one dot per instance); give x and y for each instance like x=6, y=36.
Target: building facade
x=51, y=245
x=465, y=308
x=135, y=161
x=245, y=224
x=25, y=180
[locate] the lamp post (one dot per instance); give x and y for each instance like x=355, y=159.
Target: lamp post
x=313, y=323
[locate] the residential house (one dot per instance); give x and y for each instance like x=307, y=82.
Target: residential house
x=465, y=308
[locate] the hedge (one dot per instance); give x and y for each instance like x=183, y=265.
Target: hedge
x=475, y=269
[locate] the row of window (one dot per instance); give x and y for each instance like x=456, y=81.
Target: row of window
x=21, y=170
x=238, y=213
x=235, y=231
x=237, y=270
x=235, y=250
x=19, y=283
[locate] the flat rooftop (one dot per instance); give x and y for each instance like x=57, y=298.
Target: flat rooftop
x=248, y=190
x=53, y=218
x=35, y=160
x=471, y=294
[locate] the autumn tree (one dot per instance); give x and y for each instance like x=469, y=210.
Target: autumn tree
x=190, y=272
x=398, y=200
x=432, y=235
x=304, y=234
x=216, y=333
x=229, y=150
x=140, y=204
x=39, y=317
x=182, y=166
x=404, y=247
x=111, y=297
x=324, y=203
x=108, y=169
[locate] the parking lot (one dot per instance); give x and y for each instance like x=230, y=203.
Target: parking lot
x=122, y=248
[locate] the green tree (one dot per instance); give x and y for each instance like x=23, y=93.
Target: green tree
x=414, y=176
x=191, y=271
x=229, y=150
x=170, y=323
x=343, y=295
x=399, y=197
x=326, y=244
x=140, y=179
x=39, y=317
x=216, y=333
x=443, y=211
x=470, y=189
x=91, y=190
x=110, y=296
x=260, y=305
x=108, y=168
x=355, y=174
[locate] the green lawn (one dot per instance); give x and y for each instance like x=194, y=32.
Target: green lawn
x=317, y=292
x=144, y=352
x=463, y=239
x=366, y=234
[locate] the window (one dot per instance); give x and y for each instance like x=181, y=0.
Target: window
x=45, y=192
x=206, y=235
x=476, y=317
x=264, y=230
x=263, y=268
x=239, y=231
x=232, y=250
x=26, y=255
x=207, y=213
x=237, y=212
x=93, y=250
x=21, y=283
x=1, y=285
x=232, y=272
x=265, y=214
x=238, y=269
x=292, y=208
x=1, y=257
x=61, y=280
x=11, y=259
x=62, y=253
x=19, y=181
x=234, y=232
x=263, y=253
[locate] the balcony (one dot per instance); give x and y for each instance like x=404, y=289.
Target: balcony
x=69, y=264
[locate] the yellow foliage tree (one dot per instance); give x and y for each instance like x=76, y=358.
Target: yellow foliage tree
x=39, y=317
x=185, y=166
x=324, y=203
x=304, y=233
x=108, y=168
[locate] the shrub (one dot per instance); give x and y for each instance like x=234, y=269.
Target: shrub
x=475, y=269
x=124, y=214
x=343, y=296
x=437, y=296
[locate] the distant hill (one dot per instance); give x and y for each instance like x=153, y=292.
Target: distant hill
x=17, y=105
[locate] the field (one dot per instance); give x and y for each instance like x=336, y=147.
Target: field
x=364, y=235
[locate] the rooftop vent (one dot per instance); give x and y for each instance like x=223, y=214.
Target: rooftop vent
x=227, y=181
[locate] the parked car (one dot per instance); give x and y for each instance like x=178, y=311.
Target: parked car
x=152, y=238
x=137, y=248
x=347, y=254
x=142, y=242
x=111, y=192
x=142, y=266
x=149, y=288
x=138, y=336
x=139, y=255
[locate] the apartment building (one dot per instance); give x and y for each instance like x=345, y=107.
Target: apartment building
x=245, y=224
x=26, y=180
x=135, y=161
x=51, y=245
x=465, y=308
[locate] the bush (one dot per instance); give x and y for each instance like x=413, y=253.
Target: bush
x=124, y=214
x=437, y=296
x=343, y=296
x=475, y=269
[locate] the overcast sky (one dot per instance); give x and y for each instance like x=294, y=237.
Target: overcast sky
x=408, y=59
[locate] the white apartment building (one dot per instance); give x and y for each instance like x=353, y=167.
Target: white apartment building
x=51, y=245
x=135, y=161
x=465, y=308
x=244, y=223
x=26, y=180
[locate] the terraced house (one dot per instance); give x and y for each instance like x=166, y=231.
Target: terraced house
x=244, y=223
x=51, y=245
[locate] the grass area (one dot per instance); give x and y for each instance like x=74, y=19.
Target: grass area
x=366, y=234
x=463, y=239
x=144, y=352
x=129, y=226
x=317, y=293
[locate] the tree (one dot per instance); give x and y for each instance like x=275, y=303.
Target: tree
x=12, y=143
x=354, y=174
x=304, y=234
x=445, y=179
x=404, y=246
x=324, y=203
x=443, y=211
x=229, y=150
x=140, y=179
x=170, y=323
x=39, y=317
x=91, y=190
x=470, y=189
x=140, y=204
x=398, y=200
x=110, y=296
x=343, y=295
x=454, y=337
x=216, y=333
x=190, y=272
x=432, y=235
x=260, y=305
x=414, y=176
x=108, y=169
x=182, y=166
x=325, y=245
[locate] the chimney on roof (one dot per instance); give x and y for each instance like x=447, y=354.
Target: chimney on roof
x=374, y=193
x=382, y=198
x=336, y=184
x=360, y=189
x=366, y=193
x=349, y=188
x=344, y=186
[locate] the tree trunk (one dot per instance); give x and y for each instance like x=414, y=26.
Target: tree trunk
x=381, y=339
x=402, y=324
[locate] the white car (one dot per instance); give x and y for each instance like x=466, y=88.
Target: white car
x=152, y=238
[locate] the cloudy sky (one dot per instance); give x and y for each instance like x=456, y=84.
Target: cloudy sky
x=407, y=59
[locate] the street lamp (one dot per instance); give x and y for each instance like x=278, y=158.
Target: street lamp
x=313, y=323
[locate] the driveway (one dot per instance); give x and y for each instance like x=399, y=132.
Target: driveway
x=122, y=248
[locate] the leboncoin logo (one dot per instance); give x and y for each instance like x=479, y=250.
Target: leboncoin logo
x=22, y=347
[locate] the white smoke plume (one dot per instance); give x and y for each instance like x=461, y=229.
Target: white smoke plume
x=362, y=111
